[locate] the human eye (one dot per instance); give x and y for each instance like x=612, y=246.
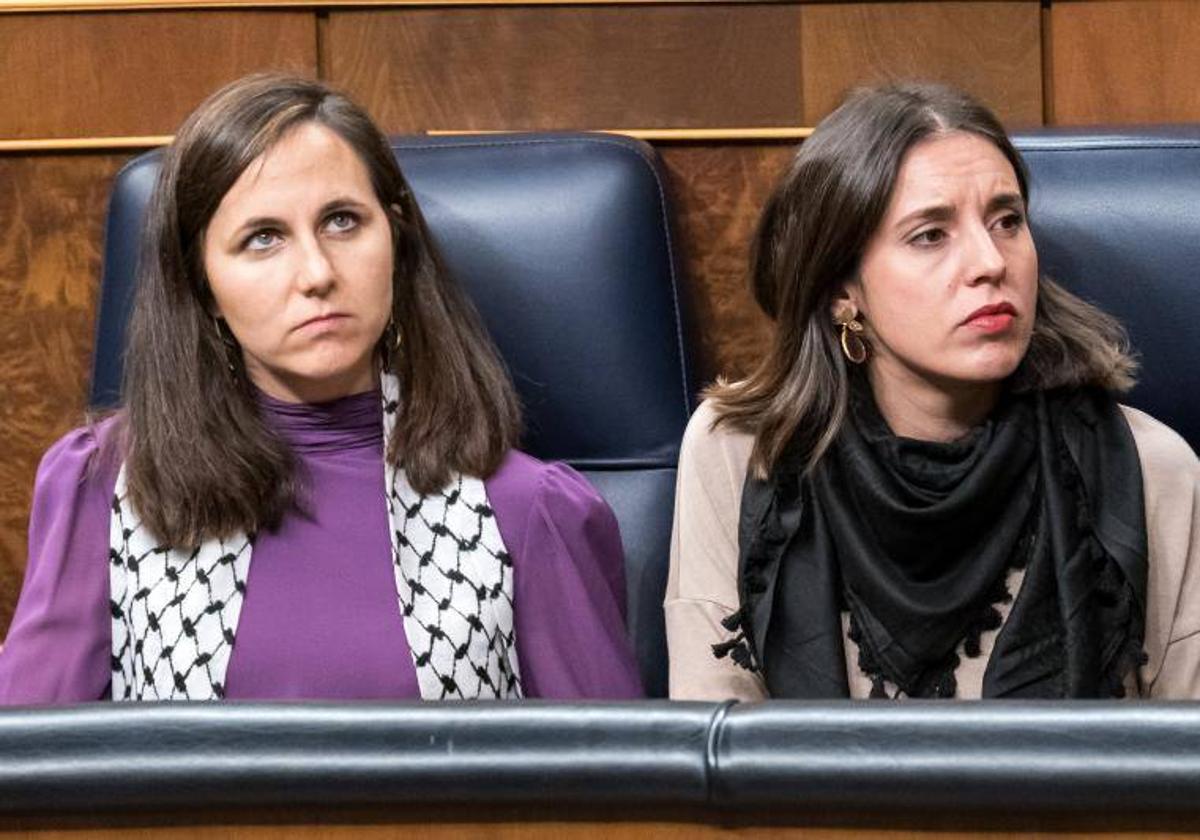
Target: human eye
x=1010, y=222
x=342, y=221
x=928, y=238
x=261, y=240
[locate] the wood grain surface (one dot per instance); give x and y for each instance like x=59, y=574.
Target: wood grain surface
x=718, y=191
x=119, y=73
x=1125, y=61
x=548, y=822
x=992, y=49
x=570, y=67
x=50, y=245
x=567, y=831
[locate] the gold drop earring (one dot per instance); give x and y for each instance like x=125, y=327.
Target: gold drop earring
x=854, y=345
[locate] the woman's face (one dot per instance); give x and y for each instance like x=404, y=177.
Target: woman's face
x=948, y=283
x=299, y=260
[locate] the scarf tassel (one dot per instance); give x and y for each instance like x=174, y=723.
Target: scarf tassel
x=737, y=648
x=938, y=681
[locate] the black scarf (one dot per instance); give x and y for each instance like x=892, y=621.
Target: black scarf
x=915, y=541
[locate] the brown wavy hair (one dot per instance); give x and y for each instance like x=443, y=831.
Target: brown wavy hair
x=810, y=240
x=200, y=461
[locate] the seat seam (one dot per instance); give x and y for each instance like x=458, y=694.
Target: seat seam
x=716, y=727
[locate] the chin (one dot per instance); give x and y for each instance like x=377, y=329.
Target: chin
x=992, y=366
x=332, y=375
x=332, y=362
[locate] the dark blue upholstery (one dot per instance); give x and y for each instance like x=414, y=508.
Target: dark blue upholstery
x=1116, y=218
x=564, y=244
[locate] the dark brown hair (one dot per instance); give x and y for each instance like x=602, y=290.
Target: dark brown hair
x=201, y=463
x=810, y=240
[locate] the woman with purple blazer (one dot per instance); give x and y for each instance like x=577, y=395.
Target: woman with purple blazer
x=312, y=489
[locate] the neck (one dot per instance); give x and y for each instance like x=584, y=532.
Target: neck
x=917, y=408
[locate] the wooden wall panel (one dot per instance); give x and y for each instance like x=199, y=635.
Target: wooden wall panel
x=107, y=74
x=991, y=49
x=570, y=67
x=1125, y=61
x=718, y=191
x=513, y=67
x=49, y=268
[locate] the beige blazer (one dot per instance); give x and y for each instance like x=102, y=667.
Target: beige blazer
x=702, y=585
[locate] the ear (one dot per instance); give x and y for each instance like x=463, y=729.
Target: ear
x=845, y=303
x=209, y=303
x=396, y=220
x=207, y=300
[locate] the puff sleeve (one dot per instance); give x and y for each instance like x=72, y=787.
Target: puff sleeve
x=57, y=649
x=569, y=588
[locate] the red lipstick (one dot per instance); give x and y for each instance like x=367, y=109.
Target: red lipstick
x=993, y=318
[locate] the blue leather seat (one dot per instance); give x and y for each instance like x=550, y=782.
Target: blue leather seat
x=1116, y=217
x=564, y=243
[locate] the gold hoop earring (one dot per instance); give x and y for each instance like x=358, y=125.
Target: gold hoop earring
x=390, y=345
x=853, y=343
x=392, y=340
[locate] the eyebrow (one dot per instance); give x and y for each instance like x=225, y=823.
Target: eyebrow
x=933, y=213
x=943, y=212
x=339, y=203
x=1006, y=201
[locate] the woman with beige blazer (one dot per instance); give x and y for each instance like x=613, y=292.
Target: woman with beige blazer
x=928, y=488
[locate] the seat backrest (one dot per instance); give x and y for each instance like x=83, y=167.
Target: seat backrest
x=1116, y=219
x=564, y=243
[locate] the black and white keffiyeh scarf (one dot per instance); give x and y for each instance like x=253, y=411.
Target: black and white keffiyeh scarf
x=175, y=610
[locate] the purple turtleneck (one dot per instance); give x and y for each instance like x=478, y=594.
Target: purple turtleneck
x=321, y=618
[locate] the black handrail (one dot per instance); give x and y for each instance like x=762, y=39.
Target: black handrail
x=883, y=757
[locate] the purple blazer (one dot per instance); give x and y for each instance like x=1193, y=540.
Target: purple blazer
x=320, y=619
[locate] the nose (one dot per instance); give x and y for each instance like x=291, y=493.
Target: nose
x=315, y=274
x=984, y=261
